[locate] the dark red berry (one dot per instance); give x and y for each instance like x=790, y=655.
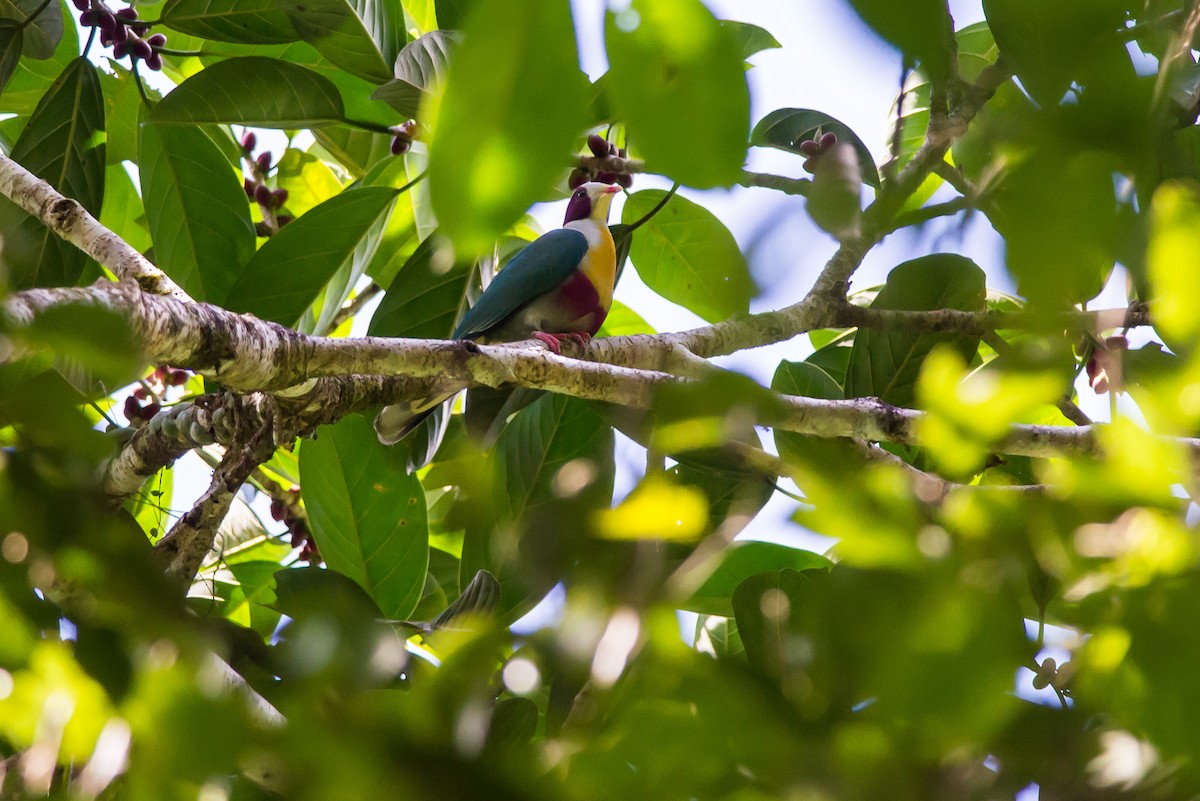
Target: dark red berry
x=279, y=197
x=249, y=141
x=179, y=378
x=140, y=48
x=127, y=14
x=82, y=5
x=607, y=177
x=283, y=219
x=149, y=411
x=160, y=372
x=298, y=538
x=598, y=145
x=623, y=153
x=262, y=229
x=248, y=185
x=119, y=34
x=264, y=161
x=141, y=393
x=140, y=30
x=157, y=40
x=262, y=194
x=278, y=510
x=577, y=178
x=154, y=61
x=106, y=21
x=612, y=149
x=809, y=148
x=105, y=39
x=625, y=180
x=400, y=144
x=828, y=140
x=89, y=18
x=809, y=165
x=409, y=128
x=132, y=409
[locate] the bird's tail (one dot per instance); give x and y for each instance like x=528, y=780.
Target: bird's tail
x=395, y=422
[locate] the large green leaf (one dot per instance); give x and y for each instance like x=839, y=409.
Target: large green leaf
x=424, y=301
x=123, y=212
x=29, y=82
x=288, y=273
x=63, y=144
x=419, y=66
x=740, y=561
x=922, y=29
x=885, y=362
x=41, y=36
x=362, y=37
x=253, y=90
x=786, y=128
x=123, y=111
x=676, y=80
x=240, y=21
x=688, y=256
x=10, y=51
x=1046, y=43
x=197, y=212
x=368, y=514
x=514, y=102
x=750, y=39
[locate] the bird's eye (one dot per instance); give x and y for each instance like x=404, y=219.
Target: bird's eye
x=580, y=192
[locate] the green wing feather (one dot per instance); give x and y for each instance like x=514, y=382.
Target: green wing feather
x=539, y=268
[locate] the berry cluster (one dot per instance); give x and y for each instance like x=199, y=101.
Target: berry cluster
x=403, y=136
x=1050, y=674
x=146, y=400
x=601, y=148
x=1104, y=366
x=814, y=148
x=268, y=199
x=288, y=512
x=122, y=32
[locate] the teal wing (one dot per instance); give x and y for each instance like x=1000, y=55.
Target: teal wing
x=539, y=268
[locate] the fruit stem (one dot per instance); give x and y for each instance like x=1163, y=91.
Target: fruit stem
x=670, y=194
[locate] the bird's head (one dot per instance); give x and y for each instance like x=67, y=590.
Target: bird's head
x=591, y=200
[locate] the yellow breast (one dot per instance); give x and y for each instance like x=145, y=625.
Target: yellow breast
x=600, y=265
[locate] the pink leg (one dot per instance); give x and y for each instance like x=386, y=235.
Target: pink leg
x=554, y=341
x=550, y=341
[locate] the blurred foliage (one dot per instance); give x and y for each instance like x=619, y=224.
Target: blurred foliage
x=912, y=661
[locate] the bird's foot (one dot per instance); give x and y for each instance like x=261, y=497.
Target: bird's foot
x=554, y=341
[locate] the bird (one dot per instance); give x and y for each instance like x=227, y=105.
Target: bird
x=558, y=288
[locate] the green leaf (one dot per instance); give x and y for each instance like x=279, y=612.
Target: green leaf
x=1058, y=213
x=40, y=37
x=419, y=66
x=750, y=39
x=368, y=514
x=740, y=561
x=425, y=299
x=123, y=212
x=94, y=339
x=768, y=608
x=30, y=82
x=63, y=144
x=286, y=275
x=1047, y=43
x=423, y=61
x=196, y=210
x=123, y=111
x=239, y=21
x=885, y=363
x=688, y=256
x=678, y=84
x=253, y=90
x=10, y=52
x=400, y=95
x=786, y=128
x=249, y=602
x=362, y=37
x=514, y=102
x=922, y=29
